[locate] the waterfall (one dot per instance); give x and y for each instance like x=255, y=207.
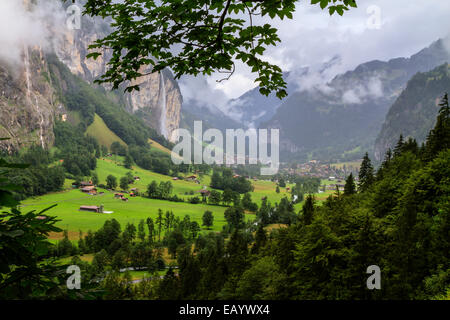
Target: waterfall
x=163, y=107
x=29, y=92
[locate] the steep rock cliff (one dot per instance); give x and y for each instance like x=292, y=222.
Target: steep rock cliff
x=159, y=100
x=27, y=102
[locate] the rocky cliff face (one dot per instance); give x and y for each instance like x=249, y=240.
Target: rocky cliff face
x=415, y=111
x=27, y=102
x=159, y=100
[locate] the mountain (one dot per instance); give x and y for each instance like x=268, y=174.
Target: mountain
x=54, y=84
x=211, y=118
x=27, y=103
x=253, y=108
x=157, y=103
x=414, y=112
x=341, y=120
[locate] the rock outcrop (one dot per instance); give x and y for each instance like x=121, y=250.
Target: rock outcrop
x=27, y=102
x=160, y=109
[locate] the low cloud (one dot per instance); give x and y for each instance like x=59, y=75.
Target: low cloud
x=197, y=90
x=24, y=25
x=361, y=92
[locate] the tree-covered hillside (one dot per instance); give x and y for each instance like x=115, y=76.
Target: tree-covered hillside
x=414, y=113
x=341, y=119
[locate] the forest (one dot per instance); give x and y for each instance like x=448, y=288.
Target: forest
x=397, y=217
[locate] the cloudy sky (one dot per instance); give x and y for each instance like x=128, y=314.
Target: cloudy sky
x=377, y=29
x=313, y=37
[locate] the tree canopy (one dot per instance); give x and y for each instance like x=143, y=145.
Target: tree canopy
x=194, y=37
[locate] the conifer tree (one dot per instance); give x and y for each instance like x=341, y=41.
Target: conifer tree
x=439, y=138
x=399, y=146
x=308, y=209
x=350, y=187
x=366, y=173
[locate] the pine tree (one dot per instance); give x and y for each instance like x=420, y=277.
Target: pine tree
x=439, y=138
x=365, y=176
x=308, y=209
x=260, y=239
x=399, y=146
x=350, y=187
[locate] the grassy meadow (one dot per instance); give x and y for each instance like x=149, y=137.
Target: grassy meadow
x=137, y=208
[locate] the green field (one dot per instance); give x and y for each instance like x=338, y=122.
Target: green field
x=102, y=133
x=350, y=165
x=69, y=201
x=73, y=220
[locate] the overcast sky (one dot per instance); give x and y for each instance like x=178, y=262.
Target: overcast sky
x=314, y=37
x=311, y=38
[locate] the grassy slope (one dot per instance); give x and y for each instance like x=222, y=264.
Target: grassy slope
x=133, y=211
x=102, y=133
x=159, y=147
x=139, y=208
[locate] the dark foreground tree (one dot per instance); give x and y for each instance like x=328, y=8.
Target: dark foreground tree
x=208, y=219
x=193, y=37
x=350, y=187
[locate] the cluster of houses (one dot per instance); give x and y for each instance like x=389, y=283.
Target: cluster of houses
x=316, y=169
x=86, y=187
x=190, y=178
x=134, y=192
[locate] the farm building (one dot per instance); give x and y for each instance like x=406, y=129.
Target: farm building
x=137, y=178
x=86, y=183
x=118, y=195
x=191, y=178
x=89, y=189
x=90, y=208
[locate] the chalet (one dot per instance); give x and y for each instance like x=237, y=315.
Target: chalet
x=86, y=184
x=118, y=195
x=90, y=208
x=175, y=178
x=137, y=178
x=89, y=189
x=191, y=178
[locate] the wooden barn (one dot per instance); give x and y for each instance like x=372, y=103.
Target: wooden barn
x=89, y=189
x=90, y=208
